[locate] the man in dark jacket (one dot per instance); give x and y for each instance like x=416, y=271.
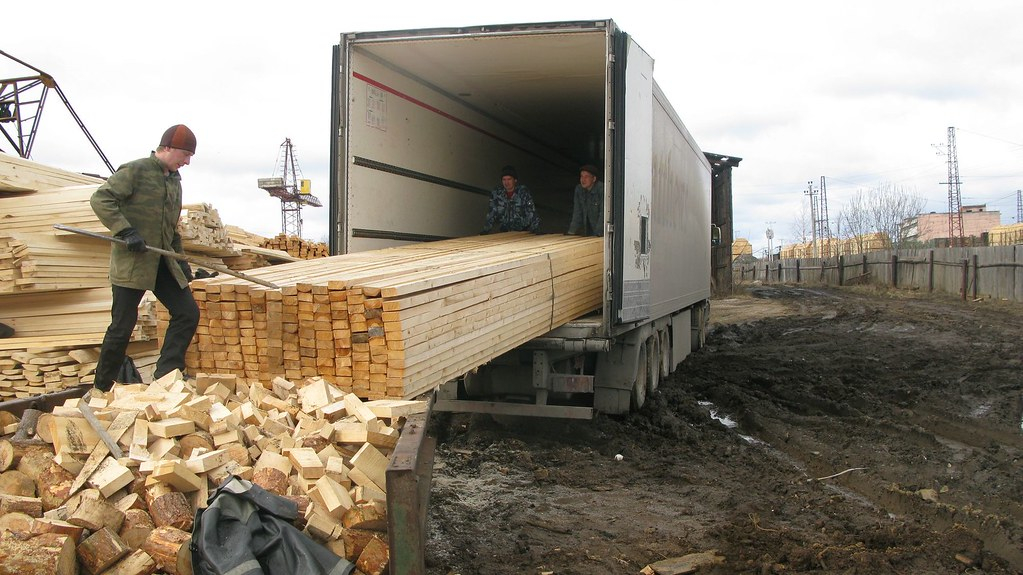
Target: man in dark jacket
x=511, y=206
x=588, y=204
x=141, y=203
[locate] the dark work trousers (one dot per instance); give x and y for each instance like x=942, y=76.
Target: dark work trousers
x=124, y=313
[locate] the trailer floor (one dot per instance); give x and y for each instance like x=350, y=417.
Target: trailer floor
x=825, y=431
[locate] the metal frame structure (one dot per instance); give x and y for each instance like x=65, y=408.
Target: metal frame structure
x=288, y=189
x=21, y=107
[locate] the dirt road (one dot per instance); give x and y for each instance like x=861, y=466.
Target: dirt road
x=820, y=431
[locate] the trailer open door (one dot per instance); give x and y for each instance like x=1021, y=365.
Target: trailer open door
x=632, y=185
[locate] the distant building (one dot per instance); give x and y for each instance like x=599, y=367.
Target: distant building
x=741, y=247
x=932, y=228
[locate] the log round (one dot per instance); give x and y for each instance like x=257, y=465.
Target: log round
x=136, y=527
x=6, y=455
x=54, y=486
x=172, y=510
x=272, y=479
x=196, y=440
x=46, y=554
x=168, y=546
x=101, y=550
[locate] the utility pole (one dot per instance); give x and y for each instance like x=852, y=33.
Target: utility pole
x=813, y=216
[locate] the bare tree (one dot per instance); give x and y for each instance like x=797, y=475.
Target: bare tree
x=882, y=209
x=889, y=206
x=854, y=220
x=802, y=224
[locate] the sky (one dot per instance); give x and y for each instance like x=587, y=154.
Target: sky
x=859, y=93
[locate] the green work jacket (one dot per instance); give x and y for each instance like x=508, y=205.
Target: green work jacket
x=138, y=195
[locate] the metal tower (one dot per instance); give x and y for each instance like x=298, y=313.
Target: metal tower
x=1019, y=206
x=824, y=226
x=813, y=216
x=955, y=200
x=21, y=107
x=291, y=189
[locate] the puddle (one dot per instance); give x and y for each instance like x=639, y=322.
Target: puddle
x=981, y=410
x=728, y=422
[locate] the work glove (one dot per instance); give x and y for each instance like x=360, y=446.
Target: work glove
x=133, y=239
x=187, y=270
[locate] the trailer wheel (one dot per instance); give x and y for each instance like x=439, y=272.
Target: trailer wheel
x=665, y=353
x=701, y=316
x=653, y=367
x=639, y=385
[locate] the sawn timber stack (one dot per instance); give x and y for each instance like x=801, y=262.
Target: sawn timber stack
x=399, y=321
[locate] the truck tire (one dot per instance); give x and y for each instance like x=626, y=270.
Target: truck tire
x=701, y=317
x=639, y=385
x=653, y=363
x=665, y=340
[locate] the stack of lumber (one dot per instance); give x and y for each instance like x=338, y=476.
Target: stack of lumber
x=37, y=212
x=202, y=232
x=396, y=322
x=240, y=236
x=297, y=247
x=30, y=371
x=251, y=257
x=84, y=312
x=43, y=262
x=111, y=483
x=54, y=289
x=18, y=175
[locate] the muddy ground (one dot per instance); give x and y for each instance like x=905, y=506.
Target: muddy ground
x=822, y=431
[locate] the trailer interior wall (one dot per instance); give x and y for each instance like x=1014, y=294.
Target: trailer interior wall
x=432, y=118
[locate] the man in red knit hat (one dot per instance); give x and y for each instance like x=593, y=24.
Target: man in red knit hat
x=140, y=203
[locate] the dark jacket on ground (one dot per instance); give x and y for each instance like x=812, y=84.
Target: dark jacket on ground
x=247, y=530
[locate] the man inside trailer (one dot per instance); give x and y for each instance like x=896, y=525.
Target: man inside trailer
x=588, y=204
x=511, y=206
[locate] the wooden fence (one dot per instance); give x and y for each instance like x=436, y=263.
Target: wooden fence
x=980, y=272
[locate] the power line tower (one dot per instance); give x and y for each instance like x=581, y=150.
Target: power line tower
x=955, y=199
x=1019, y=206
x=813, y=216
x=824, y=226
x=291, y=189
x=21, y=107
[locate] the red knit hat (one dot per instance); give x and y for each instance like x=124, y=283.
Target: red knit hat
x=179, y=137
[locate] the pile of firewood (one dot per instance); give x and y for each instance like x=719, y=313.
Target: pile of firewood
x=297, y=247
x=111, y=483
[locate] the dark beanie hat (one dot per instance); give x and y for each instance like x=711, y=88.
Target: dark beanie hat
x=591, y=169
x=179, y=137
x=509, y=171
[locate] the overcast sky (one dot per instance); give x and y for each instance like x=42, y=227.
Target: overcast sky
x=861, y=93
